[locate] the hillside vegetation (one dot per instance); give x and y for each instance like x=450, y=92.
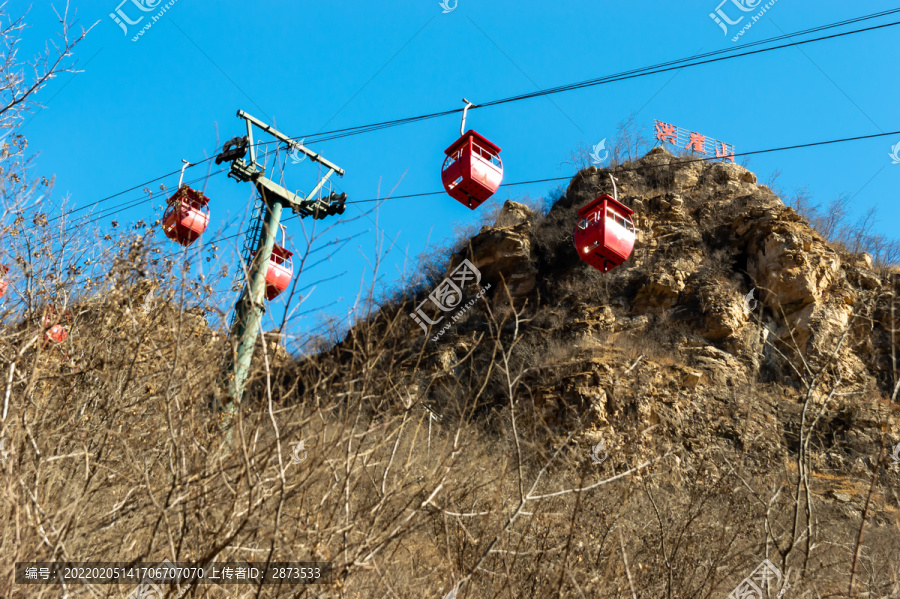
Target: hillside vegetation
x=731, y=431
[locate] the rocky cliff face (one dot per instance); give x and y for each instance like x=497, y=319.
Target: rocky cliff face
x=730, y=313
x=722, y=397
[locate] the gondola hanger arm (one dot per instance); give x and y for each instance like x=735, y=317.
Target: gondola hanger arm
x=462, y=126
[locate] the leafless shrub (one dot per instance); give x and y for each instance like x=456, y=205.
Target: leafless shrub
x=427, y=467
x=631, y=142
x=833, y=222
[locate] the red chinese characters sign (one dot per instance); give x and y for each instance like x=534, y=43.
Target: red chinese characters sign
x=695, y=142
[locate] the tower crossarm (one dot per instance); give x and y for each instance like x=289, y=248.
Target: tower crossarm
x=289, y=141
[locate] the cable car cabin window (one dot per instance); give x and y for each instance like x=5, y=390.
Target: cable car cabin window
x=453, y=158
x=620, y=220
x=613, y=215
x=486, y=155
x=587, y=221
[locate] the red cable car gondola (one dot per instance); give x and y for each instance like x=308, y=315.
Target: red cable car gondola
x=604, y=235
x=472, y=171
x=187, y=215
x=53, y=330
x=279, y=270
x=4, y=280
x=57, y=333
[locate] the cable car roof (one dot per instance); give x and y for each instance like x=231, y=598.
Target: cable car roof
x=615, y=203
x=282, y=251
x=487, y=145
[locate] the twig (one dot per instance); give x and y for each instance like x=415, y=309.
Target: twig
x=862, y=525
x=630, y=368
x=627, y=569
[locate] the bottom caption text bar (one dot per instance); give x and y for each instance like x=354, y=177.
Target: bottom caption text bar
x=173, y=573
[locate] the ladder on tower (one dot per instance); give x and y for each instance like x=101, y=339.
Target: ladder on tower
x=251, y=243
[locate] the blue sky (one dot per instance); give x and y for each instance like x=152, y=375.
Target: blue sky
x=140, y=107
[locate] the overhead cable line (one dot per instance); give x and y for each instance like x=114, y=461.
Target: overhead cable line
x=677, y=163
x=650, y=166
x=681, y=161
x=622, y=76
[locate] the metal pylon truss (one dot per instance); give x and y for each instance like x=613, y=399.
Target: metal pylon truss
x=259, y=243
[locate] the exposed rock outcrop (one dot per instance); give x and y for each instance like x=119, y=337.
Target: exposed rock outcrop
x=503, y=253
x=727, y=288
